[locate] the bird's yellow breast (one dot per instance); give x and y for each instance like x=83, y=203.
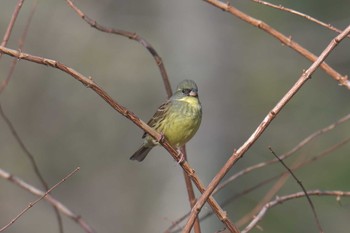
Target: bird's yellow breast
x=184, y=121
x=194, y=102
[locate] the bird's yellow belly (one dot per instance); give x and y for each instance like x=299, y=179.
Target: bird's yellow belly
x=181, y=129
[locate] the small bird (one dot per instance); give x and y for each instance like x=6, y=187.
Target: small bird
x=178, y=119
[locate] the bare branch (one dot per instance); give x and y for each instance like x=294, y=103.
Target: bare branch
x=77, y=218
x=261, y=128
x=88, y=82
x=343, y=80
x=303, y=188
x=300, y=145
x=20, y=47
x=282, y=199
x=7, y=120
x=32, y=161
x=324, y=153
x=130, y=35
x=190, y=193
x=294, y=12
x=12, y=23
x=39, y=199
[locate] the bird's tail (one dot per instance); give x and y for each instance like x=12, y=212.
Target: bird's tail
x=141, y=153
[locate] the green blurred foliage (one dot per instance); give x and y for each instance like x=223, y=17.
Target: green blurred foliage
x=241, y=72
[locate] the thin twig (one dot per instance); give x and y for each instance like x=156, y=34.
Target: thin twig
x=39, y=199
x=63, y=209
x=130, y=35
x=88, y=82
x=32, y=161
x=341, y=79
x=318, y=223
x=278, y=185
x=261, y=128
x=20, y=47
x=294, y=12
x=282, y=199
x=10, y=125
x=12, y=23
x=190, y=193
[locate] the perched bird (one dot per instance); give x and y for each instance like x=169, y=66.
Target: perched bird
x=178, y=119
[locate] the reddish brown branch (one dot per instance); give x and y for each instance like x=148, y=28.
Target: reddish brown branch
x=190, y=193
x=282, y=199
x=318, y=223
x=130, y=35
x=294, y=12
x=261, y=128
x=12, y=23
x=300, y=145
x=39, y=199
x=78, y=219
x=131, y=116
x=160, y=64
x=269, y=195
x=20, y=47
x=4, y=85
x=343, y=80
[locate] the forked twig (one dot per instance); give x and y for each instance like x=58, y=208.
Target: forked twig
x=341, y=79
x=78, y=219
x=12, y=23
x=4, y=85
x=39, y=199
x=282, y=199
x=130, y=35
x=20, y=47
x=294, y=12
x=302, y=187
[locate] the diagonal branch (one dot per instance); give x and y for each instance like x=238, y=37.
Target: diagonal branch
x=300, y=145
x=294, y=12
x=39, y=199
x=261, y=128
x=131, y=116
x=48, y=198
x=343, y=80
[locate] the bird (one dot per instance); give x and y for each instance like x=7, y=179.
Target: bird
x=177, y=120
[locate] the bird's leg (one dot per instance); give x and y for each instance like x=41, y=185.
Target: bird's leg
x=159, y=139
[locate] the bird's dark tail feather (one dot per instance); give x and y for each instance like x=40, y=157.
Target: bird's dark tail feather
x=141, y=153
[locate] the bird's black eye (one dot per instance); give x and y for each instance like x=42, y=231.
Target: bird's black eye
x=186, y=91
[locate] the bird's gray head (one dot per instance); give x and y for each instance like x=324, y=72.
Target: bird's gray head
x=187, y=88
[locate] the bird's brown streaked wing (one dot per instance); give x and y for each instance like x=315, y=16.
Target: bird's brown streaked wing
x=158, y=116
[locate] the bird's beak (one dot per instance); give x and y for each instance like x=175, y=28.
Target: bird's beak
x=193, y=93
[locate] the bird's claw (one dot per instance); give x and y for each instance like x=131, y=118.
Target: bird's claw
x=181, y=155
x=161, y=137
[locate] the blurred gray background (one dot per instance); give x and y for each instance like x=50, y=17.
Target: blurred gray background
x=241, y=72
